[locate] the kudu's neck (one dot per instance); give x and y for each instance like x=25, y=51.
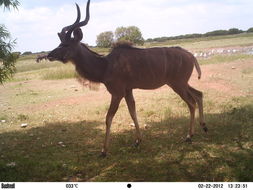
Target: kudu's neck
x=90, y=65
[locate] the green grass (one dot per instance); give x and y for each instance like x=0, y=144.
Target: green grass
x=31, y=65
x=28, y=69
x=217, y=59
x=61, y=72
x=28, y=57
x=224, y=154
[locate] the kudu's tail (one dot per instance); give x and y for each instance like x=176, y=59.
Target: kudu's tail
x=197, y=67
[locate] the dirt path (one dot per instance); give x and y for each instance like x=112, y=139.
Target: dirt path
x=230, y=78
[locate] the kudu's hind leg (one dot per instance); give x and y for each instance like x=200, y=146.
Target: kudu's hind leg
x=183, y=92
x=198, y=96
x=132, y=110
x=110, y=114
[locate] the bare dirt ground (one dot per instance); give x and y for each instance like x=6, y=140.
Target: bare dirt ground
x=224, y=78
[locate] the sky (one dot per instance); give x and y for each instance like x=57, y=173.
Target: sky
x=35, y=24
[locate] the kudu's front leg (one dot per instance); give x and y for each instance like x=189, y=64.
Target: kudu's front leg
x=115, y=100
x=132, y=110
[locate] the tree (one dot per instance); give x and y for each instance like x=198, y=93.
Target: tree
x=234, y=31
x=120, y=33
x=105, y=39
x=135, y=35
x=9, y=3
x=216, y=33
x=250, y=29
x=27, y=53
x=131, y=33
x=7, y=58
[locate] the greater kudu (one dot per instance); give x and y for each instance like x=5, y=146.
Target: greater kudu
x=126, y=68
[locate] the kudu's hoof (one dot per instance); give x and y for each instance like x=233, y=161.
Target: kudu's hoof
x=203, y=125
x=188, y=140
x=102, y=155
x=137, y=142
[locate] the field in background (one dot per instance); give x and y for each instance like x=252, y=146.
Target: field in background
x=244, y=39
x=65, y=124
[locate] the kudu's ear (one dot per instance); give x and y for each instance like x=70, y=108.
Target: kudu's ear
x=78, y=34
x=60, y=36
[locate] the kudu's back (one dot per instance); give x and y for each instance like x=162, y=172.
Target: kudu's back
x=152, y=67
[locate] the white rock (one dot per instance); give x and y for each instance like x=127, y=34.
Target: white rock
x=61, y=144
x=132, y=125
x=11, y=164
x=220, y=50
x=3, y=121
x=24, y=125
